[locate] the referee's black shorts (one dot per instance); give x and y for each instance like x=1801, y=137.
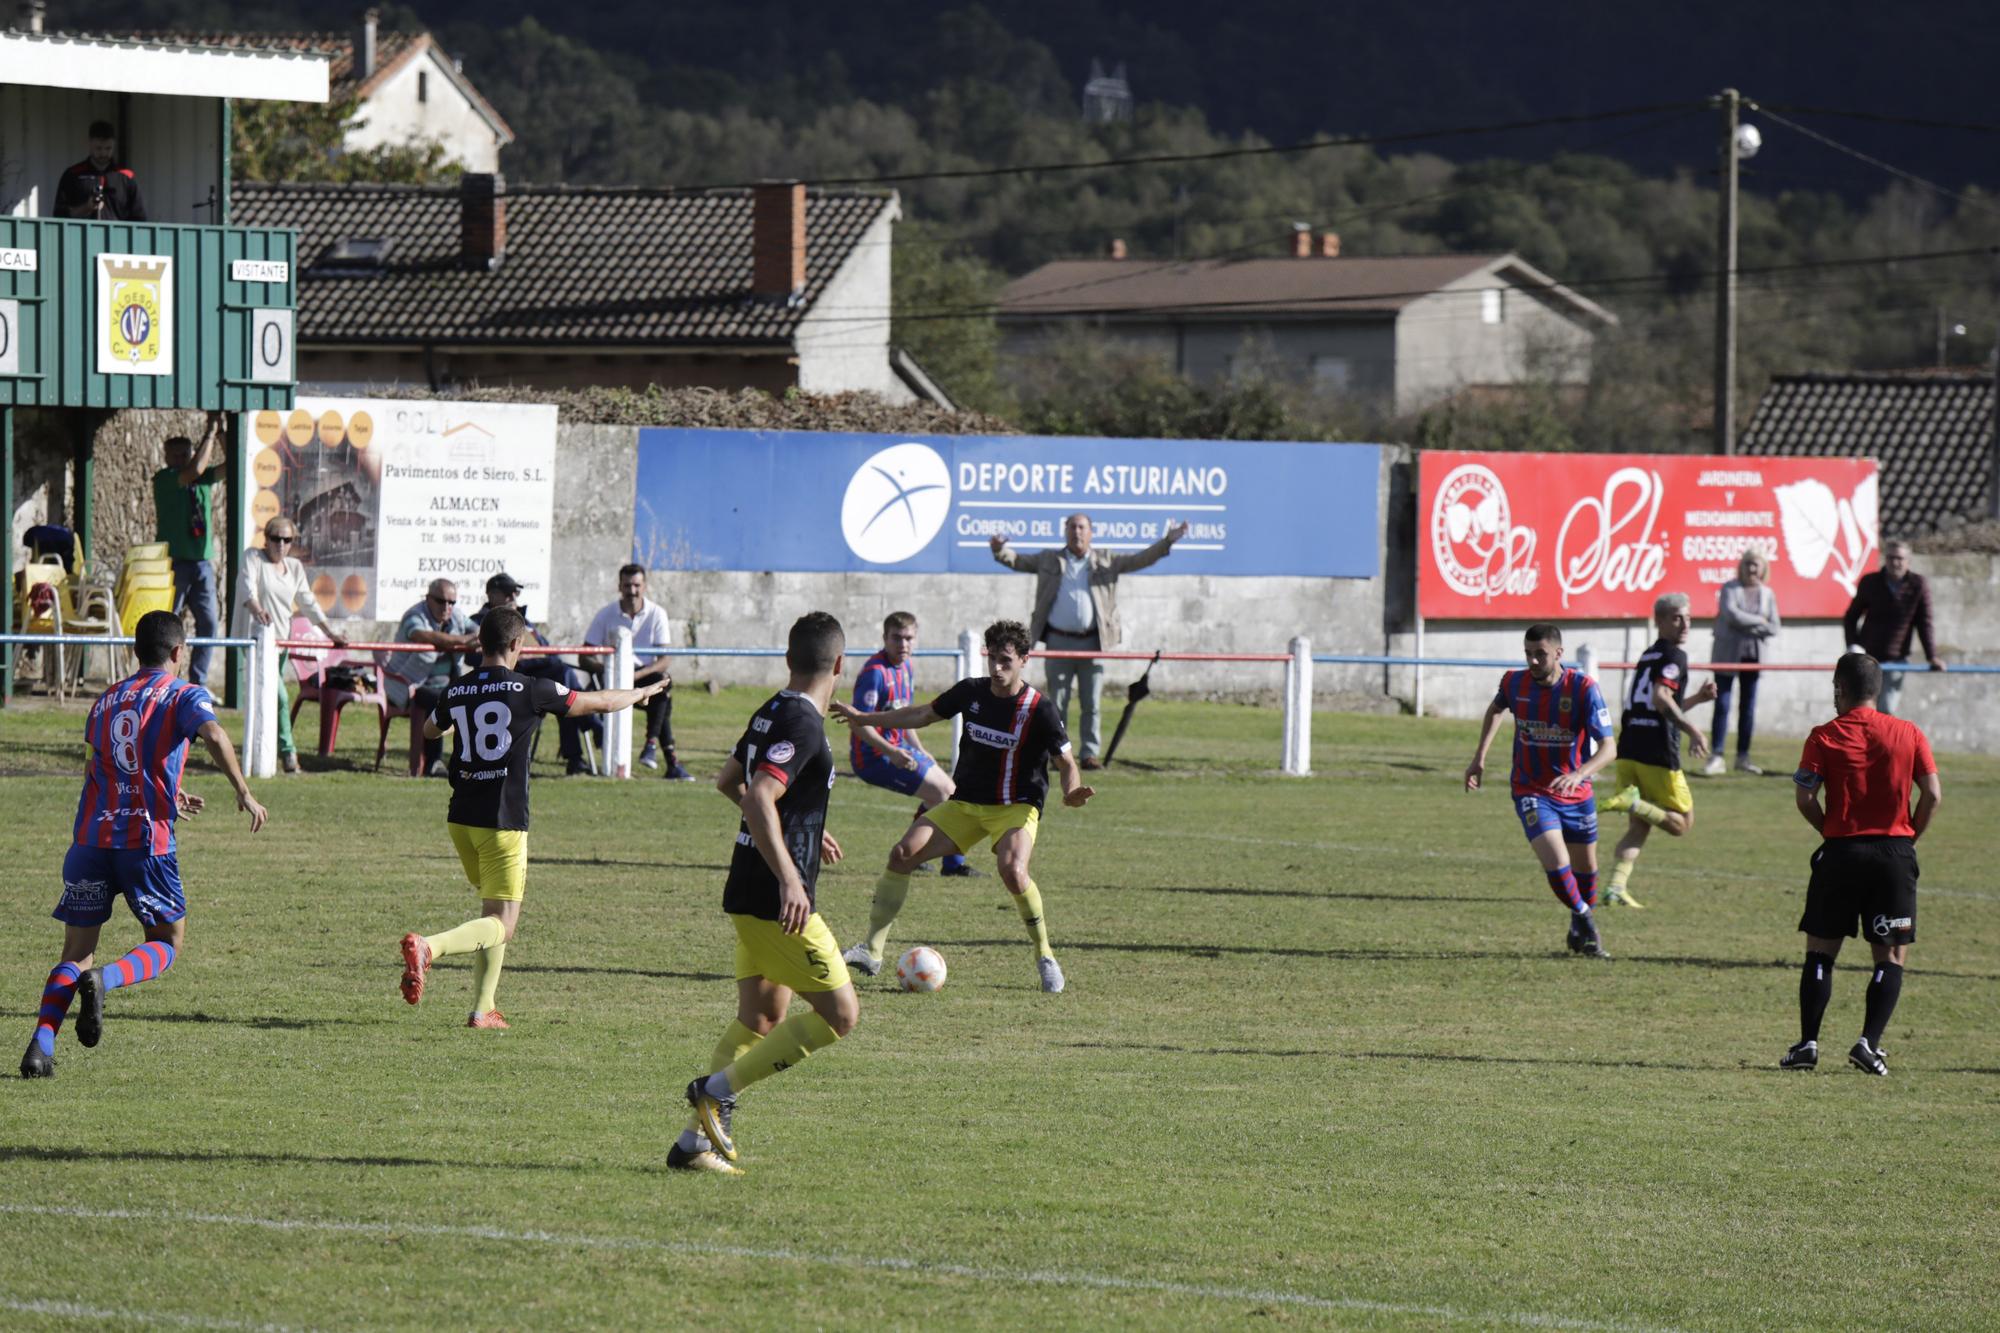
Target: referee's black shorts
x=1863, y=886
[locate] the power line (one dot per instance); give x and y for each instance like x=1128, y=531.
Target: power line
x=1881, y=118
x=1220, y=154
x=1877, y=162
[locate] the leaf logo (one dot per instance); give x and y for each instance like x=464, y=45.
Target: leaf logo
x=1825, y=534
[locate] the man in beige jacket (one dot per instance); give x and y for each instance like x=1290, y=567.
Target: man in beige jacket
x=1076, y=610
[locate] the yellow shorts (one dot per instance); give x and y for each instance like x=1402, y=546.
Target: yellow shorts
x=1664, y=787
x=495, y=859
x=968, y=825
x=808, y=961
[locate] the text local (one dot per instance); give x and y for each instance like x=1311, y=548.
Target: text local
x=1109, y=479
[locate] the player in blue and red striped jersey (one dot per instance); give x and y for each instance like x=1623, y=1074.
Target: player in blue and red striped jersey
x=123, y=845
x=1558, y=715
x=893, y=758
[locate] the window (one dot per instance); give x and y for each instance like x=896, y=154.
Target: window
x=354, y=254
x=1332, y=374
x=423, y=85
x=1492, y=305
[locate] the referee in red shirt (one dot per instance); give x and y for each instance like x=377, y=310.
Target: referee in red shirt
x=1864, y=876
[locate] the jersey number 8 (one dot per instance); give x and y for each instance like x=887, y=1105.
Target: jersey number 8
x=487, y=734
x=125, y=739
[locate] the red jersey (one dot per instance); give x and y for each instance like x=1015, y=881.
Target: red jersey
x=1867, y=761
x=1557, y=728
x=139, y=731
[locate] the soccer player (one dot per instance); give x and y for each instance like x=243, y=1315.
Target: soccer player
x=1556, y=709
x=1012, y=733
x=492, y=714
x=779, y=776
x=123, y=843
x=1865, y=873
x=895, y=759
x=1652, y=790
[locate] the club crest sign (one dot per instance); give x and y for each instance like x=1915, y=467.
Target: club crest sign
x=135, y=303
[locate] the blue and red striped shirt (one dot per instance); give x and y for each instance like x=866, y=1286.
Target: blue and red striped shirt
x=1550, y=724
x=879, y=688
x=138, y=731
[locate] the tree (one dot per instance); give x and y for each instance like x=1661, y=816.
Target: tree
x=304, y=141
x=943, y=303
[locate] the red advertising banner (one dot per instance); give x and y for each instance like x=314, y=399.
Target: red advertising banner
x=1599, y=536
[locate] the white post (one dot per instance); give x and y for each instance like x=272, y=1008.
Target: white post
x=260, y=718
x=968, y=666
x=618, y=725
x=1298, y=709
x=1417, y=691
x=1586, y=661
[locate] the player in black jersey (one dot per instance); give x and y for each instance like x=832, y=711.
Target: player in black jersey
x=1652, y=790
x=779, y=776
x=1012, y=733
x=493, y=713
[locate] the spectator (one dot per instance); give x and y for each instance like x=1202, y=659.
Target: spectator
x=100, y=186
x=416, y=678
x=1746, y=616
x=183, y=500
x=1076, y=610
x=502, y=591
x=648, y=622
x=1889, y=606
x=273, y=585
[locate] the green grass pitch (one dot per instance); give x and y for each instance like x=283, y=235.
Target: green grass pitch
x=1323, y=1062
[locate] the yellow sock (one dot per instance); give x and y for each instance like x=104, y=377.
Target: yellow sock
x=781, y=1048
x=891, y=891
x=1649, y=812
x=736, y=1039
x=479, y=933
x=486, y=966
x=1028, y=903
x=1621, y=875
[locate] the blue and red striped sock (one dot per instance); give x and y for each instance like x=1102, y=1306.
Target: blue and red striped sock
x=57, y=992
x=1586, y=887
x=142, y=964
x=1563, y=882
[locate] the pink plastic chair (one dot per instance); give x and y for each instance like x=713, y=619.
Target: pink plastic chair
x=311, y=665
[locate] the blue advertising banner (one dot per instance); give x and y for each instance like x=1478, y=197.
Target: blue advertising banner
x=811, y=502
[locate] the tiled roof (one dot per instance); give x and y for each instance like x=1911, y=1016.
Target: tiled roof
x=599, y=267
x=1365, y=285
x=1932, y=433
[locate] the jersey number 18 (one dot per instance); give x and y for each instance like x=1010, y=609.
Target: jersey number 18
x=486, y=734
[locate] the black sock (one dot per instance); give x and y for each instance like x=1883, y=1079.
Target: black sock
x=1883, y=989
x=1815, y=989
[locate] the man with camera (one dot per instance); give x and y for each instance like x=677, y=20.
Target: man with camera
x=100, y=186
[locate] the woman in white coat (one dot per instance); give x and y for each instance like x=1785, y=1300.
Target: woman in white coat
x=273, y=585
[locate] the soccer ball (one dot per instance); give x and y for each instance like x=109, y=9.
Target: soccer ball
x=921, y=969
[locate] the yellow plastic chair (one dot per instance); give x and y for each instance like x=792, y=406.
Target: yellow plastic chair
x=146, y=551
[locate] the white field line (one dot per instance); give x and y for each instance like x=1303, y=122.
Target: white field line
x=98, y=1314
x=1045, y=1277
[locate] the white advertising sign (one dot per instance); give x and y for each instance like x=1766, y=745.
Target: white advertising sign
x=389, y=494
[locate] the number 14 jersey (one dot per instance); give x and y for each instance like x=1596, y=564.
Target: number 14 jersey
x=492, y=714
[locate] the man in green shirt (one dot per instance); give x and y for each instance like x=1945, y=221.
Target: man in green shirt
x=183, y=492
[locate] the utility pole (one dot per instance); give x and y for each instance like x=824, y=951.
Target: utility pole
x=1728, y=103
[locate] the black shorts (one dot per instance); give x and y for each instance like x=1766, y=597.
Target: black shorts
x=1863, y=886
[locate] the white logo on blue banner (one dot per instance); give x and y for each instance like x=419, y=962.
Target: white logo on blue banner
x=895, y=503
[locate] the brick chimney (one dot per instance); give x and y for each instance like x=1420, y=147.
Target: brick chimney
x=364, y=45
x=778, y=240
x=1302, y=240
x=1329, y=245
x=482, y=218
x=1115, y=250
